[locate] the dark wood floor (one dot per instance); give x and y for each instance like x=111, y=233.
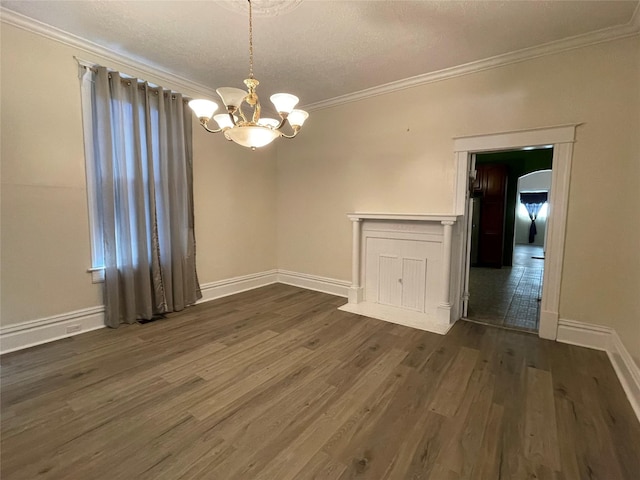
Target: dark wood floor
x=277, y=384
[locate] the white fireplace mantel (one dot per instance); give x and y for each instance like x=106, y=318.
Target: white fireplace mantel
x=413, y=217
x=401, y=268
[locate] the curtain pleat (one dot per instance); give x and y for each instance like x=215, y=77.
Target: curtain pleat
x=143, y=155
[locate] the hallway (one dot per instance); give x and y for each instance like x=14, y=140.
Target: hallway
x=509, y=296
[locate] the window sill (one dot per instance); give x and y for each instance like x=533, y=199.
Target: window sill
x=97, y=274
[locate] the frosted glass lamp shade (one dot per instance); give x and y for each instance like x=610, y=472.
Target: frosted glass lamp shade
x=284, y=102
x=269, y=122
x=297, y=117
x=223, y=120
x=231, y=97
x=203, y=108
x=252, y=136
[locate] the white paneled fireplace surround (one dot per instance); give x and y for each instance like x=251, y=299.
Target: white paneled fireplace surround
x=406, y=269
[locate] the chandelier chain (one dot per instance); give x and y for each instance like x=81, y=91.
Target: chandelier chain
x=250, y=41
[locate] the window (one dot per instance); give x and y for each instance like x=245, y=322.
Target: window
x=95, y=225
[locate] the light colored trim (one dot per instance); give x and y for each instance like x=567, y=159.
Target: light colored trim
x=231, y=286
x=606, y=339
x=416, y=217
x=182, y=84
x=171, y=80
x=556, y=228
x=635, y=19
x=97, y=274
x=399, y=316
x=627, y=370
x=583, y=334
x=44, y=330
x=331, y=286
x=562, y=138
x=516, y=138
x=606, y=35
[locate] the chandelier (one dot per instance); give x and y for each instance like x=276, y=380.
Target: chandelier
x=249, y=131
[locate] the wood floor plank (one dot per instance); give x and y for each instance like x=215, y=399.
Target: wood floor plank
x=540, y=434
x=291, y=460
x=487, y=466
x=321, y=467
x=249, y=383
x=467, y=427
x=251, y=457
x=452, y=389
x=276, y=383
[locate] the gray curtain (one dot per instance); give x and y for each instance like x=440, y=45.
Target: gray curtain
x=143, y=164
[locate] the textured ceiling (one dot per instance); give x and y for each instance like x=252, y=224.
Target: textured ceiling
x=322, y=49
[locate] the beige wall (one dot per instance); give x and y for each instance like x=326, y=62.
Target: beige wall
x=394, y=153
x=391, y=153
x=45, y=249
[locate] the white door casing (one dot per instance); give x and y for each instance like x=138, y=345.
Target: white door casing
x=466, y=261
x=562, y=138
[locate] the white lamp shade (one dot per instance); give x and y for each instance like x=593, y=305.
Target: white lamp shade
x=231, y=97
x=284, y=102
x=297, y=117
x=269, y=122
x=252, y=136
x=223, y=120
x=203, y=108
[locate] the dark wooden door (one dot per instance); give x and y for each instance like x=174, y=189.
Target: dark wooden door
x=491, y=187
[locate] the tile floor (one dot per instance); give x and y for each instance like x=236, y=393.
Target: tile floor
x=509, y=296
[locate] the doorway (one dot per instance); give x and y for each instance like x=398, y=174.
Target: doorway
x=465, y=148
x=507, y=241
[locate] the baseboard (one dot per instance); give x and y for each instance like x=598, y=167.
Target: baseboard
x=398, y=316
x=627, y=371
x=231, y=286
x=584, y=334
x=44, y=330
x=605, y=338
x=331, y=286
x=35, y=332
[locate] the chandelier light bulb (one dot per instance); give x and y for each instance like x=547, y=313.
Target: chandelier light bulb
x=297, y=117
x=231, y=97
x=284, y=102
x=203, y=108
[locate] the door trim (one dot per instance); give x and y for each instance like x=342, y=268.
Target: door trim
x=562, y=138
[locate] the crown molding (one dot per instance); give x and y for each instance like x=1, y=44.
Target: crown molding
x=169, y=79
x=184, y=85
x=600, y=36
x=635, y=18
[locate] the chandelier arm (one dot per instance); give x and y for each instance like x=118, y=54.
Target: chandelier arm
x=256, y=111
x=241, y=113
x=283, y=120
x=206, y=127
x=295, y=132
